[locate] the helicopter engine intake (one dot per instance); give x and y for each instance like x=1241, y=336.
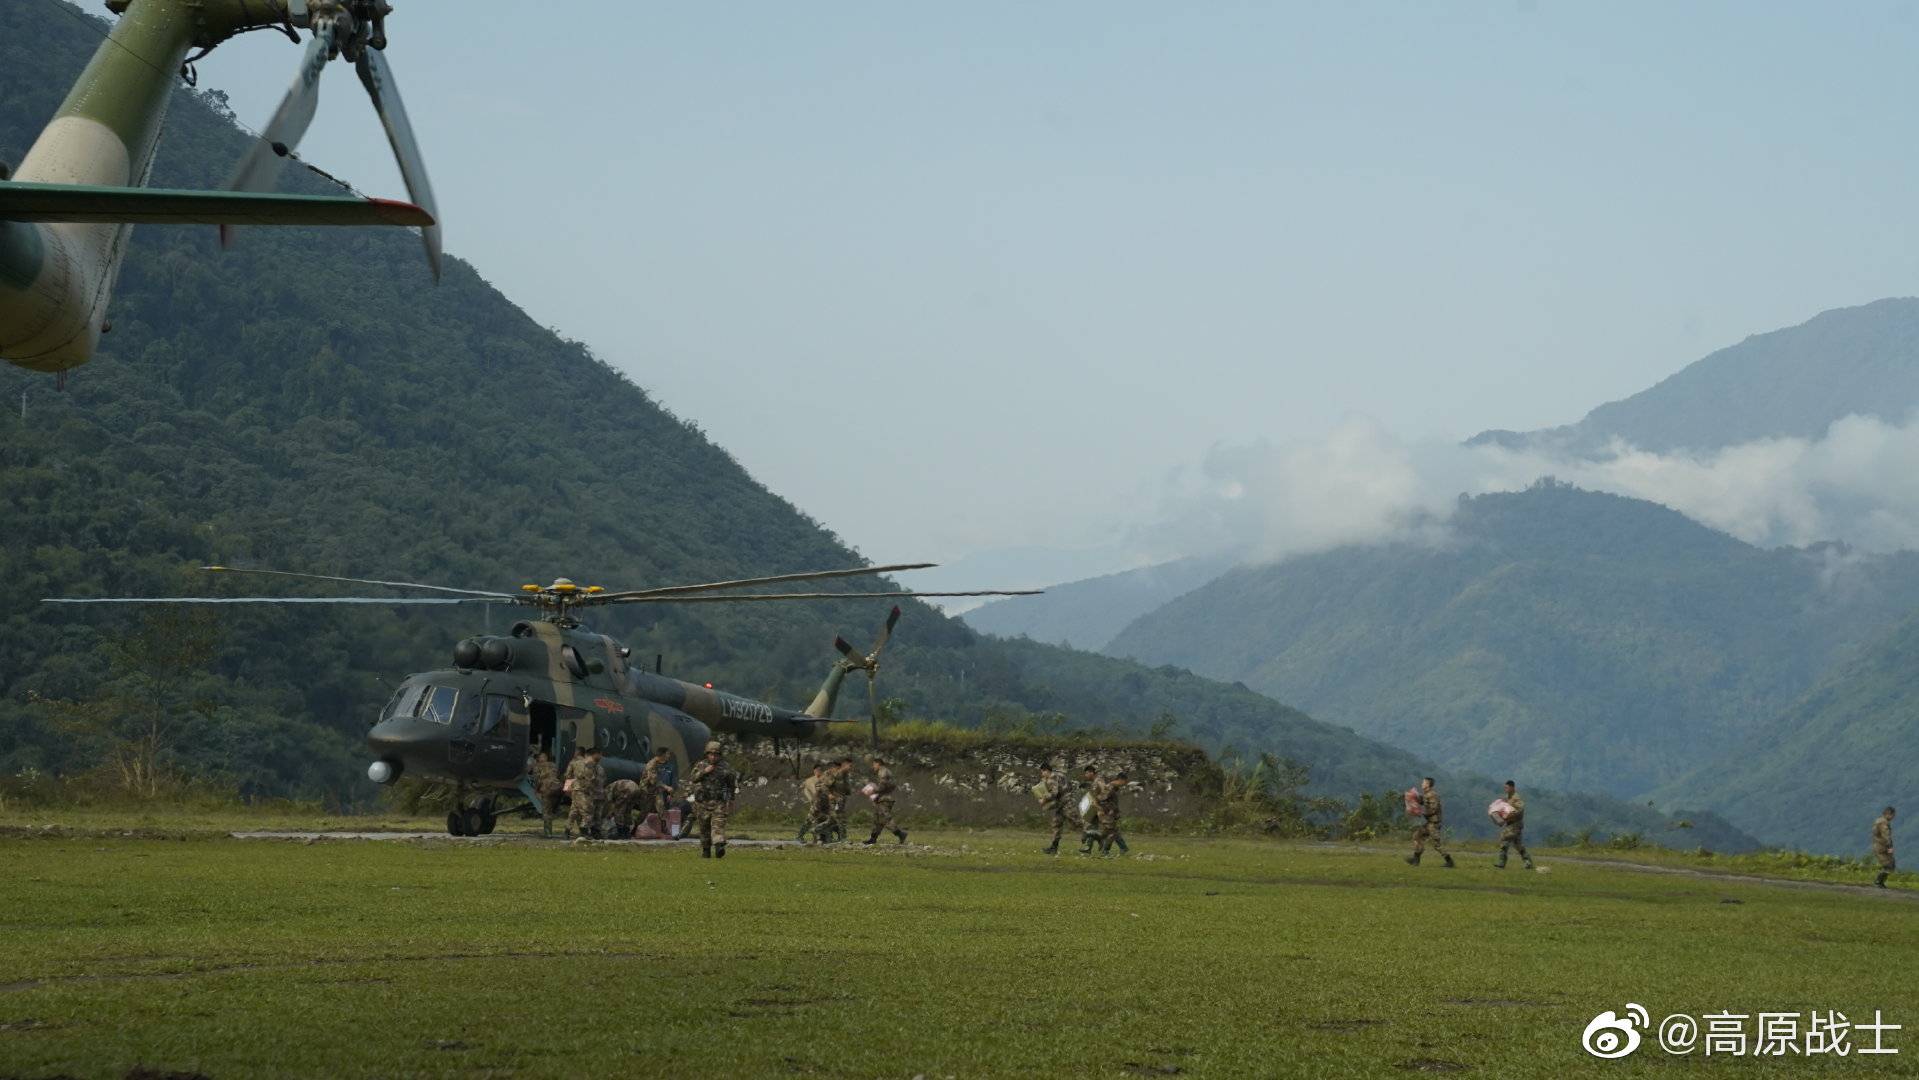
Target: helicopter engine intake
x=489, y=653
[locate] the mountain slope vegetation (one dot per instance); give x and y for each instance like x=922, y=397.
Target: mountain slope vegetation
x=1581, y=640
x=1818, y=773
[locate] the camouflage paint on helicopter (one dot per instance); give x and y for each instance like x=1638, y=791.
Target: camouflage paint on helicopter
x=557, y=688
x=66, y=214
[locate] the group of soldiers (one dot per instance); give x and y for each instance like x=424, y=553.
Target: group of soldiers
x=598, y=809
x=1432, y=813
x=1099, y=823
x=826, y=790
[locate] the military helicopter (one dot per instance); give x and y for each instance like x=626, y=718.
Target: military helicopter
x=550, y=684
x=66, y=212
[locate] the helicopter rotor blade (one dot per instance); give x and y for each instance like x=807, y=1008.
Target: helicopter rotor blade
x=811, y=575
x=280, y=600
x=261, y=166
x=357, y=581
x=845, y=649
x=748, y=597
x=886, y=633
x=377, y=76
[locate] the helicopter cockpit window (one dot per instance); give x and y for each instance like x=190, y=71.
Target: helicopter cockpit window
x=466, y=716
x=405, y=702
x=438, y=705
x=493, y=717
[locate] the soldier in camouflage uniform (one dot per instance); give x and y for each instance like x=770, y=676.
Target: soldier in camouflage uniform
x=1512, y=830
x=587, y=782
x=621, y=797
x=883, y=788
x=812, y=799
x=1882, y=846
x=1052, y=791
x=1106, y=806
x=1431, y=811
x=714, y=786
x=654, y=789
x=1088, y=821
x=839, y=788
x=546, y=786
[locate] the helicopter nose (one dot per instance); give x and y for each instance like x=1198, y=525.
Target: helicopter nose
x=409, y=745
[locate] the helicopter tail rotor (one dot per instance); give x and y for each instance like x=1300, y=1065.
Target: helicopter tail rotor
x=353, y=30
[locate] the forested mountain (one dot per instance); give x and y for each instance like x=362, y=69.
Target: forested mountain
x=310, y=401
x=1797, y=381
x=1088, y=613
x=1575, y=639
x=1818, y=773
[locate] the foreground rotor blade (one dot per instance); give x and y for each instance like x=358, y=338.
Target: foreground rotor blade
x=279, y=600
x=805, y=596
x=358, y=581
x=261, y=166
x=814, y=575
x=377, y=77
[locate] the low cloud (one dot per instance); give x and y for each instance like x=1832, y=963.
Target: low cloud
x=1858, y=482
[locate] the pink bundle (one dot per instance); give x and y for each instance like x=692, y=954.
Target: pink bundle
x=1499, y=809
x=1415, y=806
x=870, y=790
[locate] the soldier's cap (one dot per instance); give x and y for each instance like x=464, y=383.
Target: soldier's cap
x=1092, y=768
x=1120, y=775
x=1510, y=784
x=878, y=760
x=713, y=747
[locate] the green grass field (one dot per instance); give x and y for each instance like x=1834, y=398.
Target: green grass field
x=972, y=955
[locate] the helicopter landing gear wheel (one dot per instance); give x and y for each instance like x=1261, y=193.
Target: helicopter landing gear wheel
x=474, y=822
x=455, y=823
x=487, y=822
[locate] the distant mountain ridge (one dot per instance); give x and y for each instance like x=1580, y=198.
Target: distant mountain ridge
x=1793, y=382
x=1575, y=639
x=1087, y=613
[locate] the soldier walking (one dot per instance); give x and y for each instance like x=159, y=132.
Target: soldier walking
x=1512, y=828
x=883, y=788
x=812, y=799
x=1052, y=793
x=1431, y=811
x=1106, y=806
x=1089, y=817
x=654, y=789
x=546, y=787
x=585, y=785
x=839, y=788
x=714, y=786
x=1882, y=846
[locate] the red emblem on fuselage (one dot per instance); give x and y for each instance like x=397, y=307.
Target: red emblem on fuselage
x=607, y=704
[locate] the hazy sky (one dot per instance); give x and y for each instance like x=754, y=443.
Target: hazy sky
x=986, y=276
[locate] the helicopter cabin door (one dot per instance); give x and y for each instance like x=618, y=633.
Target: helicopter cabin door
x=573, y=728
x=490, y=742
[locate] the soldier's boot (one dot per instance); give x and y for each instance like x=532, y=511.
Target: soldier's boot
x=719, y=850
x=871, y=840
x=1500, y=863
x=1086, y=845
x=1448, y=858
x=1051, y=849
x=1880, y=880
x=1529, y=862
x=706, y=849
x=1413, y=859
x=801, y=838
x=901, y=833
x=1121, y=841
